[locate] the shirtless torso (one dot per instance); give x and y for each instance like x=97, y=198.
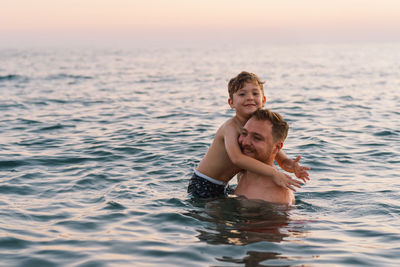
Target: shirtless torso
x=217, y=155
x=254, y=186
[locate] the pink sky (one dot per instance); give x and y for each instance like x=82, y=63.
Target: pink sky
x=26, y=20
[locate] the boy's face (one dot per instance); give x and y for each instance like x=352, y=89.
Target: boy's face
x=247, y=99
x=256, y=140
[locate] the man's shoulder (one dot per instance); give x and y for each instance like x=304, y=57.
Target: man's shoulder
x=288, y=195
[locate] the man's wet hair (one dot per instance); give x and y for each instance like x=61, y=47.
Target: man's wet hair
x=280, y=128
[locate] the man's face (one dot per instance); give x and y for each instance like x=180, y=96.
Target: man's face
x=256, y=140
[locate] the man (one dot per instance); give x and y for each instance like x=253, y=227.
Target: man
x=262, y=138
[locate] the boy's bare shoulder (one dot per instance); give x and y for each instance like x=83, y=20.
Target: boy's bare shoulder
x=231, y=125
x=228, y=122
x=228, y=125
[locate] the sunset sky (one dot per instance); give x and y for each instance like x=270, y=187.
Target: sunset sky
x=179, y=20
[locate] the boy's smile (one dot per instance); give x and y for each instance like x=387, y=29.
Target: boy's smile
x=247, y=99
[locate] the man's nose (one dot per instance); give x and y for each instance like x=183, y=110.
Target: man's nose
x=240, y=139
x=245, y=140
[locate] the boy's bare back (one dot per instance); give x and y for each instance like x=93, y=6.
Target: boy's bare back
x=216, y=163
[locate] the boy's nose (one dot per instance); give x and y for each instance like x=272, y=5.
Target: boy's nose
x=250, y=96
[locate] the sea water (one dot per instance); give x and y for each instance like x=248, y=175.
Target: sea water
x=98, y=145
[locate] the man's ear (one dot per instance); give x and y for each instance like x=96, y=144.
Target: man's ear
x=230, y=102
x=278, y=146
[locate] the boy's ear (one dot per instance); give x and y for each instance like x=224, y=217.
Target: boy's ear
x=230, y=102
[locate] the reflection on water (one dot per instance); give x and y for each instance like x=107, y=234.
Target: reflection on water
x=240, y=221
x=255, y=258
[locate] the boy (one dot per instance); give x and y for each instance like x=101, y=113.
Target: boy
x=224, y=158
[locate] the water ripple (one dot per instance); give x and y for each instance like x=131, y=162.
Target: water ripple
x=98, y=145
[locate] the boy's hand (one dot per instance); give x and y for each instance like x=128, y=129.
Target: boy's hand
x=300, y=171
x=284, y=180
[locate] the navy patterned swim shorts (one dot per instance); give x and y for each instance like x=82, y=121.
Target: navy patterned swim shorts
x=202, y=186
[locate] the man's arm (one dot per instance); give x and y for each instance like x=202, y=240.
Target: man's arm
x=292, y=166
x=253, y=165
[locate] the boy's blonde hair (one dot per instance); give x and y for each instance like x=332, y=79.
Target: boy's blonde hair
x=236, y=83
x=280, y=128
